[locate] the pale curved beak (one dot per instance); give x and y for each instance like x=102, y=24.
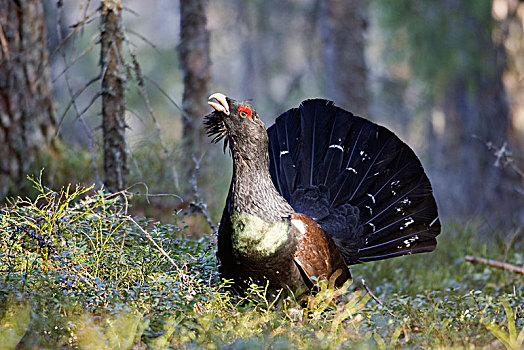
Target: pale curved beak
x=222, y=105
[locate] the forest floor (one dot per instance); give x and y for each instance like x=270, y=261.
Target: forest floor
x=78, y=271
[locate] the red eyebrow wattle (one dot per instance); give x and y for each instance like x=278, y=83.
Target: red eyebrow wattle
x=247, y=110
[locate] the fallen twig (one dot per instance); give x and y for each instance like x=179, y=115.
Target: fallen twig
x=198, y=203
x=371, y=293
x=374, y=297
x=495, y=263
x=186, y=279
x=160, y=249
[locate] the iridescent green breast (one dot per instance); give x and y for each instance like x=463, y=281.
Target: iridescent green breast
x=254, y=237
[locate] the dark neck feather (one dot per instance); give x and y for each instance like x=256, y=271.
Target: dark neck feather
x=252, y=189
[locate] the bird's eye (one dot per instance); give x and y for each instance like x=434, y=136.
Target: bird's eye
x=245, y=112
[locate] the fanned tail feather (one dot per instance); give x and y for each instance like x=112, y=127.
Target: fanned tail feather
x=358, y=180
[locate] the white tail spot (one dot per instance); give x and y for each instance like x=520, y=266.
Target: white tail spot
x=408, y=241
x=408, y=222
x=372, y=197
x=351, y=169
x=283, y=153
x=337, y=147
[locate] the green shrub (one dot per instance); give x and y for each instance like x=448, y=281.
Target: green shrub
x=78, y=271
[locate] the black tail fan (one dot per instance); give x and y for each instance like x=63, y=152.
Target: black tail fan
x=357, y=179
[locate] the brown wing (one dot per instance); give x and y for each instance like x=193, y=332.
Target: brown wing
x=316, y=254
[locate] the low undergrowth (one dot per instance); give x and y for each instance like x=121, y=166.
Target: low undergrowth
x=76, y=270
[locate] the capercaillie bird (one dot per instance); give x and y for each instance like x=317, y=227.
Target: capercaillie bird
x=319, y=190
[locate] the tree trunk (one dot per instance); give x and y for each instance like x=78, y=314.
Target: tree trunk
x=113, y=108
x=342, y=26
x=27, y=121
x=472, y=181
x=195, y=64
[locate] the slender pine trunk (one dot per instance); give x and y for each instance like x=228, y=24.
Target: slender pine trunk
x=342, y=27
x=113, y=108
x=195, y=63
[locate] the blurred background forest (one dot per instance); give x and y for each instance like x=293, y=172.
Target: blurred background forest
x=446, y=76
